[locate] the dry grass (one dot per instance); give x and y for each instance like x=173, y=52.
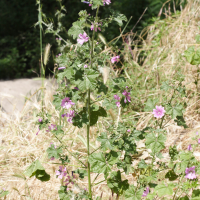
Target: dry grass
x=19, y=145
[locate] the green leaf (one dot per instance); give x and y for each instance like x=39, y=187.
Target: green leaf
x=132, y=194
x=197, y=38
x=113, y=157
x=96, y=114
x=105, y=142
x=63, y=193
x=181, y=121
x=192, y=57
x=119, y=18
x=155, y=143
x=81, y=172
x=67, y=73
x=189, y=54
x=116, y=184
x=165, y=86
x=150, y=105
x=171, y=175
x=96, y=3
x=88, y=81
x=99, y=164
x=4, y=193
x=174, y=111
x=196, y=194
x=76, y=29
x=31, y=170
x=184, y=198
x=81, y=118
x=42, y=175
x=54, y=152
x=163, y=189
x=142, y=164
x=37, y=170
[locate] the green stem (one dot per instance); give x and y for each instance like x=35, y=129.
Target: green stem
x=88, y=109
x=41, y=59
x=70, y=152
x=88, y=144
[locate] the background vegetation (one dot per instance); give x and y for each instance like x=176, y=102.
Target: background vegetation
x=19, y=39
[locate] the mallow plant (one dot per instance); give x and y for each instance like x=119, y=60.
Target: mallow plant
x=87, y=95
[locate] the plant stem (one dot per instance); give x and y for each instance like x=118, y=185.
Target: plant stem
x=88, y=144
x=88, y=109
x=41, y=60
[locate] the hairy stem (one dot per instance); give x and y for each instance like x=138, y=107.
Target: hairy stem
x=88, y=108
x=41, y=59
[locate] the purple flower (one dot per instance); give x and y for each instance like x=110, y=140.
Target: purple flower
x=38, y=130
x=117, y=97
x=56, y=38
x=115, y=59
x=61, y=172
x=128, y=130
x=96, y=27
x=198, y=141
x=189, y=147
x=60, y=38
x=106, y=2
x=76, y=88
x=85, y=66
x=60, y=54
x=51, y=128
x=52, y=158
x=63, y=115
x=82, y=38
x=146, y=192
x=197, y=133
x=86, y=2
x=90, y=4
x=159, y=112
x=127, y=96
x=71, y=114
x=40, y=120
x=69, y=180
x=118, y=104
x=61, y=68
x=190, y=173
x=67, y=103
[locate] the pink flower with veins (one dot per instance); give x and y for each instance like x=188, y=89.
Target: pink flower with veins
x=61, y=172
x=159, y=112
x=67, y=103
x=106, y=2
x=117, y=97
x=118, y=104
x=190, y=173
x=71, y=114
x=51, y=128
x=146, y=192
x=127, y=96
x=82, y=38
x=115, y=59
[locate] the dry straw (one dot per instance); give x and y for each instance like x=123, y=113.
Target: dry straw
x=19, y=145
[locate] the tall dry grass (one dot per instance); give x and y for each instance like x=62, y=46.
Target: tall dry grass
x=164, y=45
